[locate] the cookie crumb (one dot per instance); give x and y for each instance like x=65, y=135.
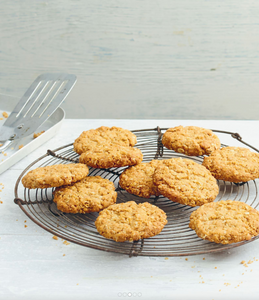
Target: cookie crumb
x=227, y=283
x=20, y=146
x=1, y=202
x=166, y=258
x=1, y=145
x=64, y=254
x=35, y=135
x=186, y=259
x=215, y=268
x=243, y=262
x=250, y=262
x=203, y=258
x=25, y=226
x=5, y=114
x=1, y=118
x=55, y=237
x=66, y=243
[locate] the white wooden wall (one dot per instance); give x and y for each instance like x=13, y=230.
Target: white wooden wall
x=171, y=59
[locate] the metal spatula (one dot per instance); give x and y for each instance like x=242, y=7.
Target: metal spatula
x=38, y=103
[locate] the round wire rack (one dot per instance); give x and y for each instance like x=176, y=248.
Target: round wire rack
x=176, y=239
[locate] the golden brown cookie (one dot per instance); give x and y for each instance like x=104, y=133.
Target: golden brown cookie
x=130, y=221
x=91, y=194
x=191, y=140
x=138, y=180
x=103, y=135
x=54, y=176
x=225, y=222
x=186, y=182
x=108, y=157
x=234, y=164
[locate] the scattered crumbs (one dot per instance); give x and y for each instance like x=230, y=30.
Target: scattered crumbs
x=25, y=221
x=1, y=118
x=154, y=247
x=25, y=226
x=203, y=258
x=1, y=202
x=65, y=226
x=5, y=154
x=245, y=265
x=55, y=237
x=250, y=262
x=215, y=268
x=202, y=282
x=5, y=114
x=256, y=260
x=227, y=283
x=64, y=254
x=20, y=146
x=66, y=243
x=243, y=273
x=243, y=262
x=166, y=258
x=35, y=135
x=186, y=259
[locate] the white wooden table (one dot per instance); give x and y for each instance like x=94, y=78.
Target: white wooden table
x=33, y=265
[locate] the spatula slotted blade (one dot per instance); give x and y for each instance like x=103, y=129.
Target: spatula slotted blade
x=38, y=103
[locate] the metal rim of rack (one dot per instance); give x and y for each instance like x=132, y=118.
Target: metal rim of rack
x=176, y=239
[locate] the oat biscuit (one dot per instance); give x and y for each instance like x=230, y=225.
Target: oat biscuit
x=225, y=222
x=138, y=180
x=54, y=176
x=234, y=164
x=91, y=194
x=130, y=221
x=186, y=182
x=110, y=157
x=104, y=136
x=191, y=140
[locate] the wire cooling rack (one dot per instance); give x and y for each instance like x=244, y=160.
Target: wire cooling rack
x=176, y=239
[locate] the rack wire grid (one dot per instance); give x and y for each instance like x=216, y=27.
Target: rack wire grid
x=176, y=239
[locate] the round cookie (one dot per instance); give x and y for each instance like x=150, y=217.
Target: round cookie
x=130, y=221
x=108, y=157
x=234, y=164
x=103, y=135
x=185, y=182
x=91, y=194
x=138, y=180
x=54, y=176
x=191, y=140
x=225, y=222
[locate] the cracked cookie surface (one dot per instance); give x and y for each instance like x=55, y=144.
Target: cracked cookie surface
x=54, y=176
x=186, y=182
x=111, y=156
x=130, y=221
x=91, y=194
x=225, y=222
x=138, y=180
x=102, y=136
x=234, y=164
x=191, y=140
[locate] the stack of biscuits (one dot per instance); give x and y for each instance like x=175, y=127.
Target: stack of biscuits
x=179, y=179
